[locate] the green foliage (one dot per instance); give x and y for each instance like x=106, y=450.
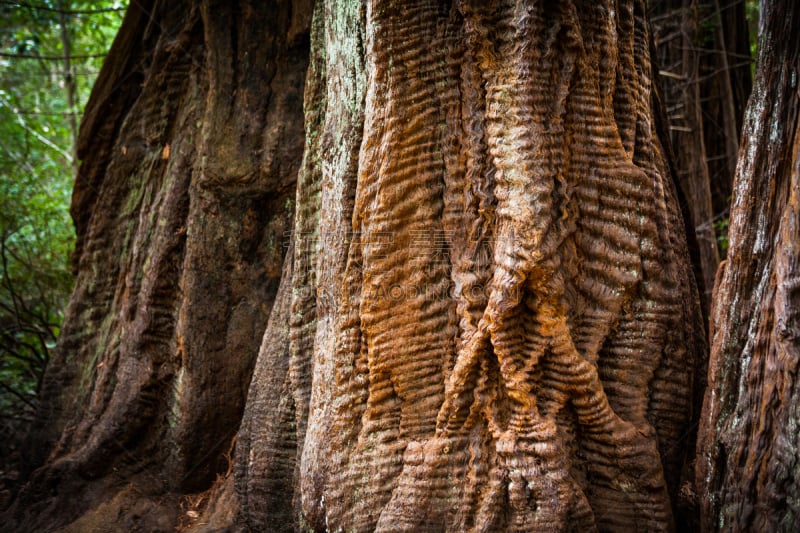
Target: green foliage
x=721, y=230
x=752, y=8
x=37, y=131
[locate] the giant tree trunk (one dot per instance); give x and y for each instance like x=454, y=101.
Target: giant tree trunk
x=190, y=146
x=487, y=321
x=505, y=334
x=749, y=463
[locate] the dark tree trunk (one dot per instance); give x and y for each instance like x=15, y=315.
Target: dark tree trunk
x=704, y=59
x=677, y=24
x=749, y=462
x=487, y=320
x=725, y=86
x=190, y=147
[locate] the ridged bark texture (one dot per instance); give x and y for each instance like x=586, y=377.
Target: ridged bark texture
x=190, y=145
x=486, y=319
x=493, y=323
x=749, y=462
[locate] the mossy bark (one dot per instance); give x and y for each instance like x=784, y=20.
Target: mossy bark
x=190, y=146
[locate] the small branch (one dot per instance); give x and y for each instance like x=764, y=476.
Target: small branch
x=64, y=11
x=51, y=114
x=9, y=340
x=668, y=74
x=18, y=159
x=41, y=138
x=18, y=395
x=25, y=417
x=47, y=74
x=49, y=58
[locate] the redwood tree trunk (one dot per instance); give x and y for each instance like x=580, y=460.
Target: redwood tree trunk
x=505, y=334
x=190, y=145
x=487, y=321
x=749, y=463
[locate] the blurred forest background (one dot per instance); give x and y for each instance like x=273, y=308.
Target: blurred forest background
x=51, y=52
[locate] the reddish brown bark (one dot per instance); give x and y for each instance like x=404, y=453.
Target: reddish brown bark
x=487, y=319
x=504, y=154
x=747, y=469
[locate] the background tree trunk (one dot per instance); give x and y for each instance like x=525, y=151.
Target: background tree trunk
x=488, y=319
x=190, y=145
x=677, y=32
x=704, y=58
x=725, y=84
x=749, y=462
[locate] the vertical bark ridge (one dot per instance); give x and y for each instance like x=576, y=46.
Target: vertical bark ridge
x=302, y=320
x=668, y=311
x=335, y=348
x=266, y=448
x=398, y=208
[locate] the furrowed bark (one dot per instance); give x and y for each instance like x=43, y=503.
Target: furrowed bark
x=747, y=468
x=486, y=320
x=508, y=328
x=190, y=146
